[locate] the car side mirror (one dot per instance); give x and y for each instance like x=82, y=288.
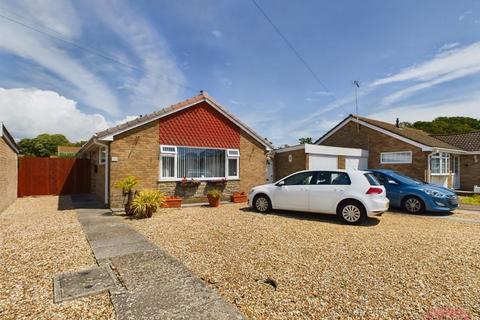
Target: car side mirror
x=281, y=183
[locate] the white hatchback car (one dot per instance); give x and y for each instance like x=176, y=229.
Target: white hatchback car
x=351, y=194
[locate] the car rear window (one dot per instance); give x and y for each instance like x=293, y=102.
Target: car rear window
x=372, y=179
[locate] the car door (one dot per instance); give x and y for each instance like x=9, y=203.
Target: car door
x=292, y=192
x=392, y=188
x=327, y=190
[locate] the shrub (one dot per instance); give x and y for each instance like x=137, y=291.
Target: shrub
x=146, y=202
x=214, y=194
x=127, y=184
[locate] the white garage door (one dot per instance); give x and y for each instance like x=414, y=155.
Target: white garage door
x=322, y=162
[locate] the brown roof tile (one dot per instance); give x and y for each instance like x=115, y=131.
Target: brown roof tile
x=409, y=133
x=466, y=141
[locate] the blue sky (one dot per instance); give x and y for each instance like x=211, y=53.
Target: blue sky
x=414, y=59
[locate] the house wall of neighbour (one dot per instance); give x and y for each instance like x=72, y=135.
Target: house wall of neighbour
x=134, y=153
x=8, y=175
x=376, y=142
x=283, y=167
x=469, y=171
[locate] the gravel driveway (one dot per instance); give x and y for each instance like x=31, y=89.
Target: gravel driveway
x=397, y=267
x=36, y=242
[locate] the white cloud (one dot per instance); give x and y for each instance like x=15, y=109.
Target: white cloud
x=48, y=53
x=468, y=107
x=161, y=83
x=448, y=46
x=466, y=58
x=29, y=112
x=217, y=33
x=444, y=67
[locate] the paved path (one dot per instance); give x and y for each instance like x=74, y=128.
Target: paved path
x=157, y=285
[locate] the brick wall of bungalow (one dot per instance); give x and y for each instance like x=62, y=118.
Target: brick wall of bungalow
x=136, y=152
x=8, y=175
x=469, y=171
x=376, y=142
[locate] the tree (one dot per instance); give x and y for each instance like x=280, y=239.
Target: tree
x=44, y=145
x=448, y=125
x=305, y=140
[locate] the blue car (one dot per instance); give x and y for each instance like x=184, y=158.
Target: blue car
x=413, y=195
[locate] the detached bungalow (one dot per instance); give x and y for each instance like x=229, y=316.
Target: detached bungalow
x=447, y=160
x=182, y=150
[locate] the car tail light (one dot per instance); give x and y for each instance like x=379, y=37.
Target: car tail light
x=375, y=190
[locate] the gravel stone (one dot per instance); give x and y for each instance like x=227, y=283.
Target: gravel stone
x=398, y=266
x=37, y=241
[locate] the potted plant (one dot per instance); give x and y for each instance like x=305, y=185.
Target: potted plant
x=214, y=197
x=146, y=202
x=172, y=202
x=126, y=185
x=238, y=197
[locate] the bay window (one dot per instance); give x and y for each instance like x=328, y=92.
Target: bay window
x=440, y=163
x=198, y=163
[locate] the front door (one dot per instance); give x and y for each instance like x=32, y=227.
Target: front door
x=456, y=172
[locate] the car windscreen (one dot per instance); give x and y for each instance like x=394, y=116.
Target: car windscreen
x=372, y=179
x=405, y=179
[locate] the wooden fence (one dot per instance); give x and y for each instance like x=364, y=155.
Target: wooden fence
x=53, y=176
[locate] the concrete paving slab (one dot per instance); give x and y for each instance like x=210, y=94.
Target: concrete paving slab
x=157, y=286
x=72, y=285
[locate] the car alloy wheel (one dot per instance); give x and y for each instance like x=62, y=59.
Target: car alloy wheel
x=413, y=205
x=351, y=213
x=262, y=204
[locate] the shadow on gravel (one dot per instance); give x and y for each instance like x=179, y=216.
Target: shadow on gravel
x=310, y=216
x=425, y=214
x=78, y=201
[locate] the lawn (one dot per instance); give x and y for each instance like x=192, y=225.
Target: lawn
x=399, y=266
x=472, y=200
x=36, y=242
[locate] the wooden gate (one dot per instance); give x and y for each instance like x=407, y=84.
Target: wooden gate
x=53, y=176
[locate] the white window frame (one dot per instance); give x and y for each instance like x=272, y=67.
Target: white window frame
x=444, y=159
x=232, y=154
x=382, y=154
x=165, y=152
x=102, y=151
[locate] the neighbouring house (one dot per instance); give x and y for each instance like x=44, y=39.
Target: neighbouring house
x=445, y=160
x=67, y=151
x=314, y=157
x=182, y=150
x=469, y=163
x=8, y=168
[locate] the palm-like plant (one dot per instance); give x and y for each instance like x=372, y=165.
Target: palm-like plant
x=146, y=202
x=127, y=185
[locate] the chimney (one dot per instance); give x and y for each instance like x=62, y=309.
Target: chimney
x=397, y=123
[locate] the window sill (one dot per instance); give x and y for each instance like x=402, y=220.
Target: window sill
x=199, y=179
x=440, y=174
